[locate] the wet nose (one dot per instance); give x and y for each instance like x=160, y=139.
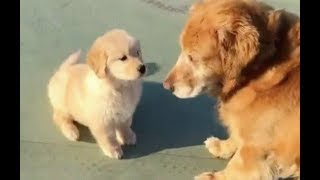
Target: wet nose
x=142, y=69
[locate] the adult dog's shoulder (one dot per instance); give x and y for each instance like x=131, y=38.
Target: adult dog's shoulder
x=274, y=75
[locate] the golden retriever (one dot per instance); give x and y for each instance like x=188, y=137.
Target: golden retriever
x=248, y=56
x=102, y=94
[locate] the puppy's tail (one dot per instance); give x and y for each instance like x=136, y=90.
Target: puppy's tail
x=72, y=59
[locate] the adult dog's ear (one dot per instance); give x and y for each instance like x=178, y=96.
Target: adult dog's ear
x=238, y=43
x=97, y=59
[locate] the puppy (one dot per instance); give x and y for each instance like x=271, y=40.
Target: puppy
x=102, y=94
x=248, y=56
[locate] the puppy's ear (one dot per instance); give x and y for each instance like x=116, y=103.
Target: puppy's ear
x=97, y=60
x=239, y=44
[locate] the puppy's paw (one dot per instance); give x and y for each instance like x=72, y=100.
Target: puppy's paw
x=132, y=139
x=220, y=148
x=210, y=176
x=205, y=176
x=114, y=152
x=70, y=131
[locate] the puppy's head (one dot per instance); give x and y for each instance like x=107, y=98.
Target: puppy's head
x=116, y=54
x=219, y=39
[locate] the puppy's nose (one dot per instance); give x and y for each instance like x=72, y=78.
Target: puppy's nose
x=168, y=86
x=142, y=69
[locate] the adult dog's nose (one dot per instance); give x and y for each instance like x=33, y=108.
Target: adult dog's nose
x=168, y=85
x=142, y=69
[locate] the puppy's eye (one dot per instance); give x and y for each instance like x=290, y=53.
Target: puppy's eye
x=190, y=58
x=138, y=53
x=123, y=58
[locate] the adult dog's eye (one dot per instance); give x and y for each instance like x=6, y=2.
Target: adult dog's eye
x=123, y=58
x=138, y=53
x=190, y=58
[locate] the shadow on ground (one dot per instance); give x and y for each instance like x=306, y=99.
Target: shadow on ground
x=163, y=121
x=152, y=68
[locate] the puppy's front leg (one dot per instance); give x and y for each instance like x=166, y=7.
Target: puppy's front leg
x=105, y=136
x=125, y=134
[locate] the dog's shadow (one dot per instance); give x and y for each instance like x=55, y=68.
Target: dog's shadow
x=163, y=121
x=152, y=68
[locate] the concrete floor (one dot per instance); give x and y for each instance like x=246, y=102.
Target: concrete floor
x=170, y=136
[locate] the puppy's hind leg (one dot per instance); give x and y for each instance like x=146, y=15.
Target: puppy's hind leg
x=66, y=125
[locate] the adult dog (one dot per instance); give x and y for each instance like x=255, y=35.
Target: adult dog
x=248, y=56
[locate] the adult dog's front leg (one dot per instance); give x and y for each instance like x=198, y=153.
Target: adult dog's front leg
x=248, y=163
x=221, y=148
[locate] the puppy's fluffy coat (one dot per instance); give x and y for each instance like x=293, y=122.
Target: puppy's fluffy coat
x=248, y=56
x=102, y=94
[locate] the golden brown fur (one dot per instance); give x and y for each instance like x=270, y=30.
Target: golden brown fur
x=248, y=56
x=102, y=94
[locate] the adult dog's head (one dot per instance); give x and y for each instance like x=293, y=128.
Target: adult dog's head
x=116, y=54
x=220, y=38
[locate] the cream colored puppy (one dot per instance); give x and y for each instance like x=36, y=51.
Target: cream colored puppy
x=102, y=94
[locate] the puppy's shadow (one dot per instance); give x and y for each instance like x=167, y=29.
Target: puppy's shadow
x=85, y=134
x=163, y=121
